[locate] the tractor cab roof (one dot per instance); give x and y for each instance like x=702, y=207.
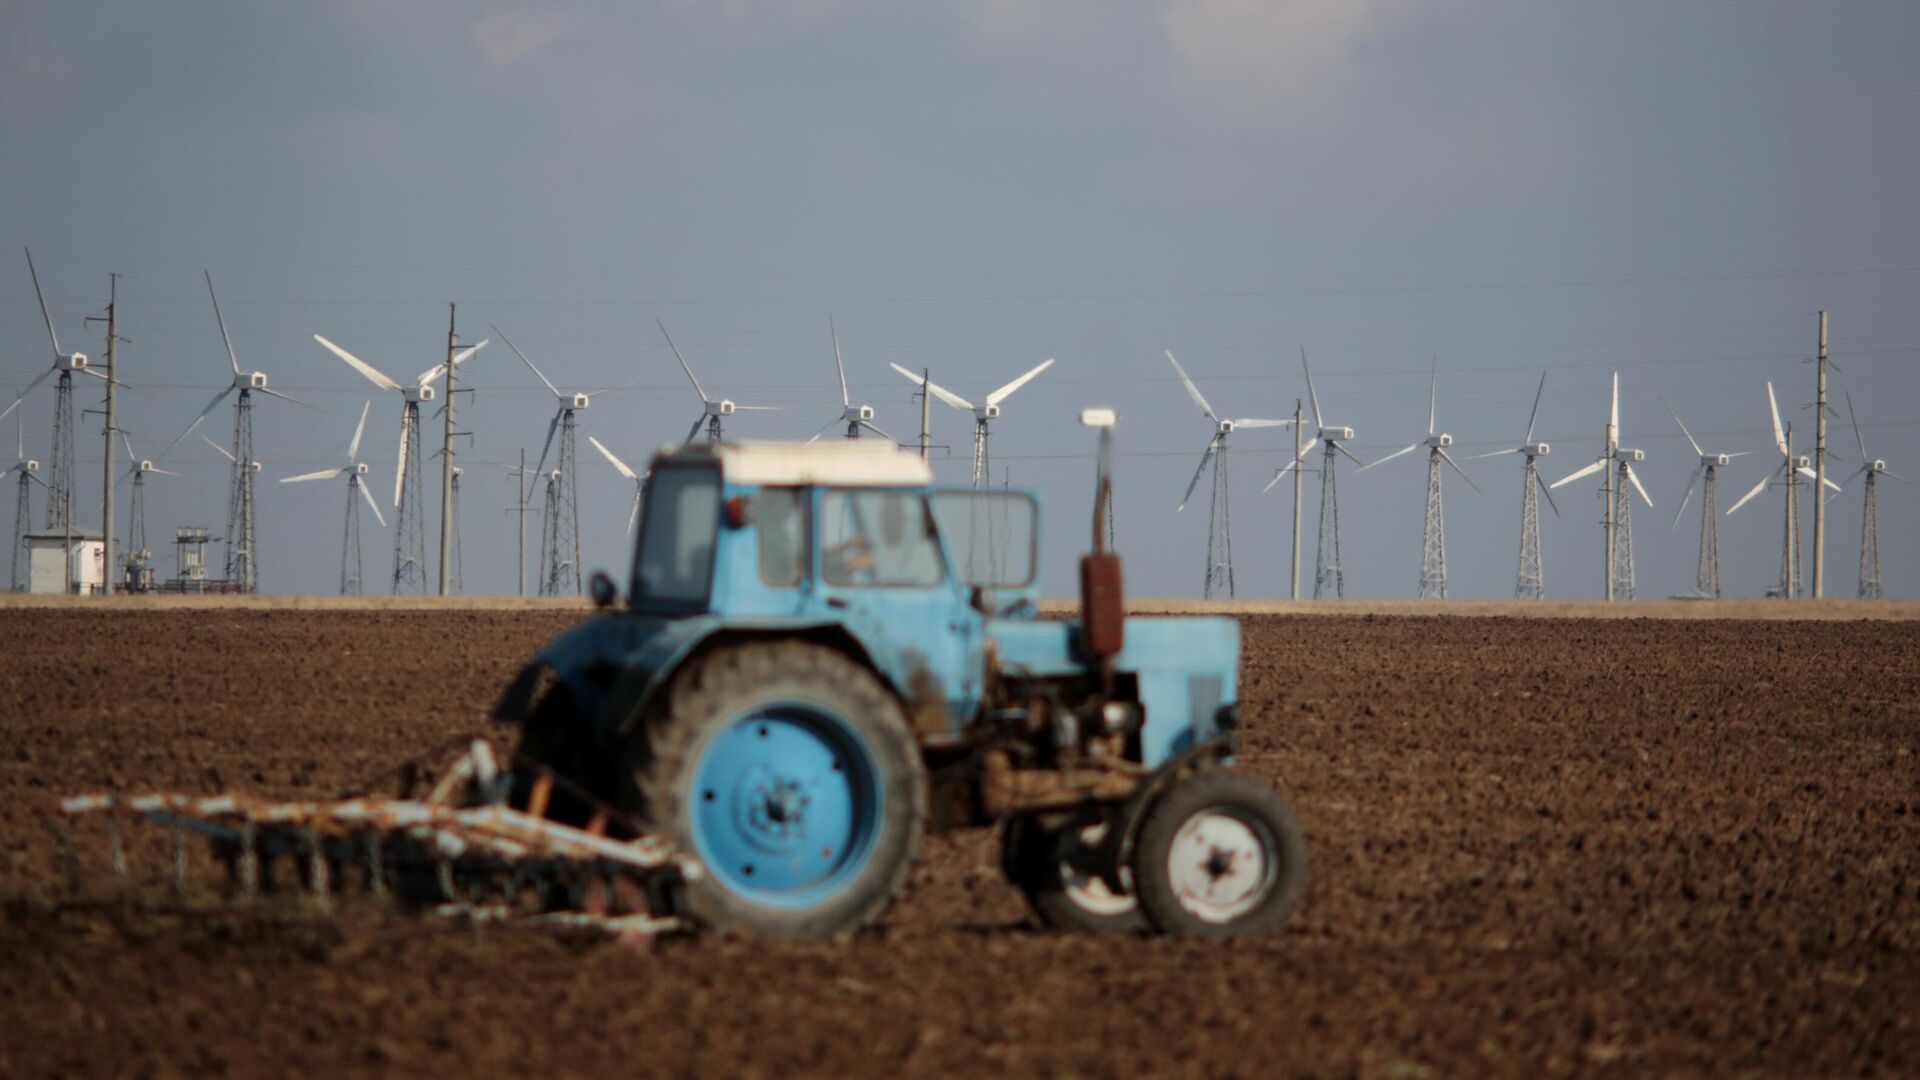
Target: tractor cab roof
x=827, y=463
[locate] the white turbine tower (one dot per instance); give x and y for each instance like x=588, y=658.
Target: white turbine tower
x=353, y=470
x=1328, y=577
x=854, y=416
x=713, y=410
x=639, y=480
x=1219, y=525
x=1615, y=464
x=1433, y=539
x=1530, y=579
x=985, y=412
x=409, y=531
x=1872, y=469
x=1706, y=578
x=1792, y=468
x=243, y=559
x=60, y=462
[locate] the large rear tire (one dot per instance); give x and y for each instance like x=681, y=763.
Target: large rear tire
x=791, y=773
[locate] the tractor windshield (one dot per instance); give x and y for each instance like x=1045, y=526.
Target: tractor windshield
x=673, y=562
x=992, y=535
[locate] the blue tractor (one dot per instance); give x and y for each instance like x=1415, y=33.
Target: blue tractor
x=821, y=655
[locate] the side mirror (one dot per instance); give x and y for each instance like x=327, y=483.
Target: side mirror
x=602, y=589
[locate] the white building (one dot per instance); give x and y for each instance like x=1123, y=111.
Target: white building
x=48, y=561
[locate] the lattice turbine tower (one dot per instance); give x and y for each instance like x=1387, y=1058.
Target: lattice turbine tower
x=1328, y=577
x=1219, y=575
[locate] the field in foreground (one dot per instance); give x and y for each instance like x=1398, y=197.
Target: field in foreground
x=1540, y=845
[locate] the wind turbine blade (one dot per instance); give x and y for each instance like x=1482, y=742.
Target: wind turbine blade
x=353, y=448
x=23, y=394
x=1683, y=429
x=1779, y=434
x=1902, y=479
x=846, y=401
x=459, y=358
x=823, y=430
x=1390, y=457
x=1687, y=497
x=936, y=390
x=634, y=514
x=1318, y=421
x=128, y=443
x=45, y=316
x=323, y=474
x=224, y=452
x=1588, y=471
x=608, y=454
x=1543, y=490
x=1349, y=454
x=374, y=375
x=1757, y=489
x=875, y=428
x=371, y=505
x=1291, y=465
x=1634, y=478
x=694, y=431
x=1851, y=415
x=1739, y=453
x=211, y=405
x=1494, y=453
x=1205, y=456
x=552, y=426
x=163, y=472
x=1811, y=475
x=554, y=390
x=1261, y=423
x=1192, y=390
x=1615, y=415
x=1433, y=386
x=232, y=360
x=684, y=366
x=287, y=397
x=758, y=408
x=1448, y=458
x=1006, y=391
x=1536, y=408
x=400, y=459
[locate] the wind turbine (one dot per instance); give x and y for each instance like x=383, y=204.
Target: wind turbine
x=1706, y=579
x=1327, y=574
x=1219, y=535
x=409, y=536
x=1433, y=541
x=1530, y=580
x=28, y=471
x=1617, y=521
x=60, y=461
x=243, y=564
x=353, y=470
x=138, y=556
x=639, y=481
x=1792, y=468
x=987, y=410
x=562, y=527
x=854, y=416
x=714, y=409
x=1872, y=468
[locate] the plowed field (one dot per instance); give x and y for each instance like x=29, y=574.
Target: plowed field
x=1540, y=845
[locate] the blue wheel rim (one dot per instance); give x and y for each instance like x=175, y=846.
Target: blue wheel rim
x=786, y=805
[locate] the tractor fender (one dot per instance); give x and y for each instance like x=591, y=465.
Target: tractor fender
x=1124, y=830
x=567, y=657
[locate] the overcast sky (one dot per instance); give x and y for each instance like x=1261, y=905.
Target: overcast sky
x=1667, y=190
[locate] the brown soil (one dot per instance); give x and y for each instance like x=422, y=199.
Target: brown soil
x=1540, y=846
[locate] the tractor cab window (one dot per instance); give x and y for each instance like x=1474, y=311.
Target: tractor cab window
x=992, y=534
x=878, y=539
x=673, y=562
x=780, y=517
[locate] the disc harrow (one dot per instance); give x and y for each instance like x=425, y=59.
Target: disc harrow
x=462, y=852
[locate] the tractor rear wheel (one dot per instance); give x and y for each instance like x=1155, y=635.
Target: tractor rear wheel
x=1219, y=854
x=790, y=771
x=1050, y=868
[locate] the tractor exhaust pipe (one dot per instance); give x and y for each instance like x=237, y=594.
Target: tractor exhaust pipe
x=1103, y=618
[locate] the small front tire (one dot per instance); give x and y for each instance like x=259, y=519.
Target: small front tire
x=1050, y=868
x=1219, y=855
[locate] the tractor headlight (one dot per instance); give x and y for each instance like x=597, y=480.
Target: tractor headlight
x=1117, y=717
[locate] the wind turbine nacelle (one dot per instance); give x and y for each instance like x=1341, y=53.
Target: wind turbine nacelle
x=1336, y=434
x=74, y=361
x=253, y=466
x=420, y=393
x=146, y=465
x=257, y=381
x=1535, y=449
x=989, y=412
x=865, y=413
x=359, y=469
x=32, y=465
x=721, y=408
x=1717, y=460
x=1629, y=455
x=554, y=476
x=1440, y=441
x=1879, y=465
x=579, y=402
x=1805, y=462
x=1226, y=427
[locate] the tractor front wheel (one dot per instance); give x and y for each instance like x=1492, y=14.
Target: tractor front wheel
x=790, y=771
x=1218, y=855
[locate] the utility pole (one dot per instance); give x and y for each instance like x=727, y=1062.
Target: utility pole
x=1297, y=470
x=446, y=470
x=926, y=408
x=520, y=485
x=112, y=430
x=1819, y=469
